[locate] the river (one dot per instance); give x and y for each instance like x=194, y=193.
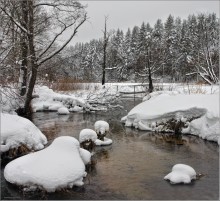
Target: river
x=133, y=167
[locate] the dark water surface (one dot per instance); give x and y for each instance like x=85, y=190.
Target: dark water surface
x=132, y=167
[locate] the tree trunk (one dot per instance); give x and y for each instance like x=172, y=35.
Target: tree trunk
x=151, y=88
x=24, y=50
x=23, y=68
x=104, y=53
x=33, y=63
x=103, y=66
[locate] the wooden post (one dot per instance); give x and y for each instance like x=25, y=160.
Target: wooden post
x=134, y=94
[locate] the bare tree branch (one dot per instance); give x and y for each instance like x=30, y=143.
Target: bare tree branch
x=65, y=44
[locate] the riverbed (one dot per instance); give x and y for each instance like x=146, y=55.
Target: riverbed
x=133, y=167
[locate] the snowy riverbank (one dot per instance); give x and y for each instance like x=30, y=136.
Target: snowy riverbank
x=17, y=131
x=199, y=113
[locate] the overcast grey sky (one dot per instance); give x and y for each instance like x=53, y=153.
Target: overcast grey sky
x=124, y=14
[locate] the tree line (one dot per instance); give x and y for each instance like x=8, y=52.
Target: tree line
x=32, y=48
x=176, y=50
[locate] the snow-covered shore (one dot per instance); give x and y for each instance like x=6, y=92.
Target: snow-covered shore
x=199, y=112
x=60, y=165
x=17, y=131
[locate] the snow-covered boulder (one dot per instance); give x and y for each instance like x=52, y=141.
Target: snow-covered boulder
x=101, y=127
x=106, y=141
x=181, y=174
x=87, y=134
x=156, y=113
x=85, y=155
x=63, y=110
x=17, y=131
x=87, y=138
x=61, y=165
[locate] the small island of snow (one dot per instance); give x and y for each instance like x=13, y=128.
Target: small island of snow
x=63, y=111
x=87, y=134
x=61, y=165
x=181, y=174
x=101, y=127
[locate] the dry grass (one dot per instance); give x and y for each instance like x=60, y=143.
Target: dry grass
x=69, y=84
x=195, y=89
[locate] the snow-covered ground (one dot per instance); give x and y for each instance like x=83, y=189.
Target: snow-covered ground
x=94, y=97
x=58, y=166
x=159, y=108
x=174, y=101
x=17, y=131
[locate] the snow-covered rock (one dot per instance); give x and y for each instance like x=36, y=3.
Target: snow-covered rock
x=76, y=109
x=87, y=134
x=181, y=173
x=107, y=141
x=101, y=127
x=17, y=131
x=156, y=112
x=85, y=155
x=61, y=165
x=63, y=110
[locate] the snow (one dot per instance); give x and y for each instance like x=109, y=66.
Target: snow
x=101, y=127
x=150, y=114
x=60, y=165
x=181, y=173
x=87, y=134
x=17, y=131
x=63, y=110
x=85, y=155
x=106, y=141
x=51, y=101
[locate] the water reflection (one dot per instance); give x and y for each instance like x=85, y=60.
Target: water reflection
x=132, y=167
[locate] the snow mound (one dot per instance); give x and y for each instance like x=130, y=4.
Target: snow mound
x=63, y=110
x=157, y=93
x=58, y=166
x=51, y=101
x=154, y=113
x=101, y=127
x=87, y=134
x=106, y=141
x=181, y=174
x=17, y=131
x=85, y=155
x=76, y=109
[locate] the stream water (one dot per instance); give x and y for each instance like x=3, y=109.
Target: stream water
x=132, y=167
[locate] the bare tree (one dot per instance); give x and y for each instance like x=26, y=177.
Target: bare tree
x=105, y=43
x=38, y=42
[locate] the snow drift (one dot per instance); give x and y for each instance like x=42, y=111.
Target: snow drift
x=17, y=131
x=199, y=112
x=61, y=165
